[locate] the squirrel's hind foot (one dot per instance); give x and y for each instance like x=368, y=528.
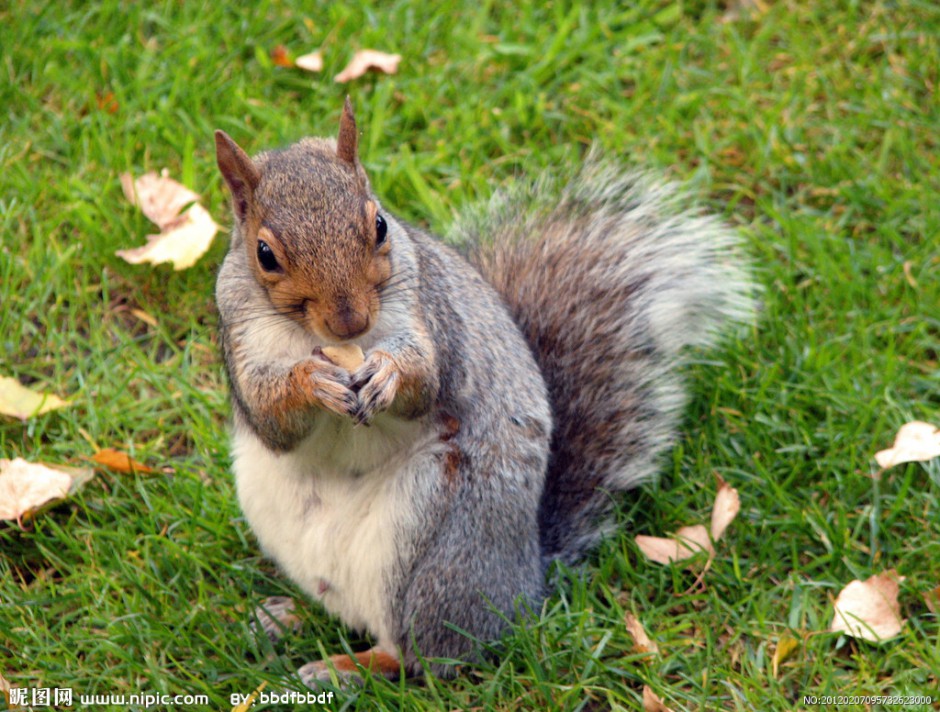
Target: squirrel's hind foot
x=348, y=668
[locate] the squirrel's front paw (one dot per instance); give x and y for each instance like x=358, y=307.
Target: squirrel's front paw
x=316, y=674
x=377, y=382
x=329, y=386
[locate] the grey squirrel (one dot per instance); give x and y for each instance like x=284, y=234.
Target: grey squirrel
x=504, y=395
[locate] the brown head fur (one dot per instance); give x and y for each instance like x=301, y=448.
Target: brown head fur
x=312, y=206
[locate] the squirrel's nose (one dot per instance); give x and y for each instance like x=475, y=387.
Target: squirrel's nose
x=346, y=322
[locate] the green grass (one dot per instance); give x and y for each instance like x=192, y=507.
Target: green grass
x=815, y=127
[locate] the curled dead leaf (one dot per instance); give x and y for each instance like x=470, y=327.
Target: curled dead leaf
x=18, y=401
x=312, y=62
x=281, y=57
x=869, y=609
x=120, y=461
x=182, y=243
x=642, y=643
x=183, y=238
x=932, y=600
x=682, y=545
x=786, y=646
x=159, y=197
x=28, y=487
x=726, y=508
x=652, y=702
x=915, y=442
x=366, y=60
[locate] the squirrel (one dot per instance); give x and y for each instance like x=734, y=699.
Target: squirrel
x=507, y=390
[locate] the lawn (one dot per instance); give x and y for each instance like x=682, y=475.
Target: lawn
x=813, y=127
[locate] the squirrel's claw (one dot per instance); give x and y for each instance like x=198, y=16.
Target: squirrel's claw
x=331, y=386
x=377, y=382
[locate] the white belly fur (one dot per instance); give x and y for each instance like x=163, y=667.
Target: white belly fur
x=329, y=511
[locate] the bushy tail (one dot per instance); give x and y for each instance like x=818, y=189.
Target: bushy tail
x=610, y=280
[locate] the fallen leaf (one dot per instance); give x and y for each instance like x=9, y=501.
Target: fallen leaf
x=915, y=442
x=183, y=242
x=652, y=701
x=312, y=62
x=281, y=57
x=27, y=487
x=932, y=599
x=682, y=545
x=145, y=317
x=119, y=461
x=107, y=102
x=183, y=239
x=18, y=401
x=726, y=508
x=869, y=609
x=159, y=197
x=784, y=649
x=366, y=60
x=641, y=641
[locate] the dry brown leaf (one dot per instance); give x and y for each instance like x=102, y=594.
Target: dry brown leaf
x=348, y=356
x=184, y=241
x=281, y=57
x=652, y=701
x=932, y=599
x=18, y=401
x=915, y=442
x=366, y=60
x=27, y=487
x=641, y=641
x=786, y=646
x=869, y=609
x=726, y=508
x=183, y=238
x=159, y=197
x=684, y=544
x=312, y=62
x=120, y=461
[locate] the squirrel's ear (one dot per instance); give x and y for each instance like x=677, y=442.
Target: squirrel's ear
x=241, y=175
x=347, y=145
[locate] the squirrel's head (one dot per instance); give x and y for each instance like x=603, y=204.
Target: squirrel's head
x=315, y=239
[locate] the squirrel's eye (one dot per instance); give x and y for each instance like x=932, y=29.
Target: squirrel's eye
x=381, y=230
x=266, y=257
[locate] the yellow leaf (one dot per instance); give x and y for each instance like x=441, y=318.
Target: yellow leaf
x=20, y=402
x=785, y=648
